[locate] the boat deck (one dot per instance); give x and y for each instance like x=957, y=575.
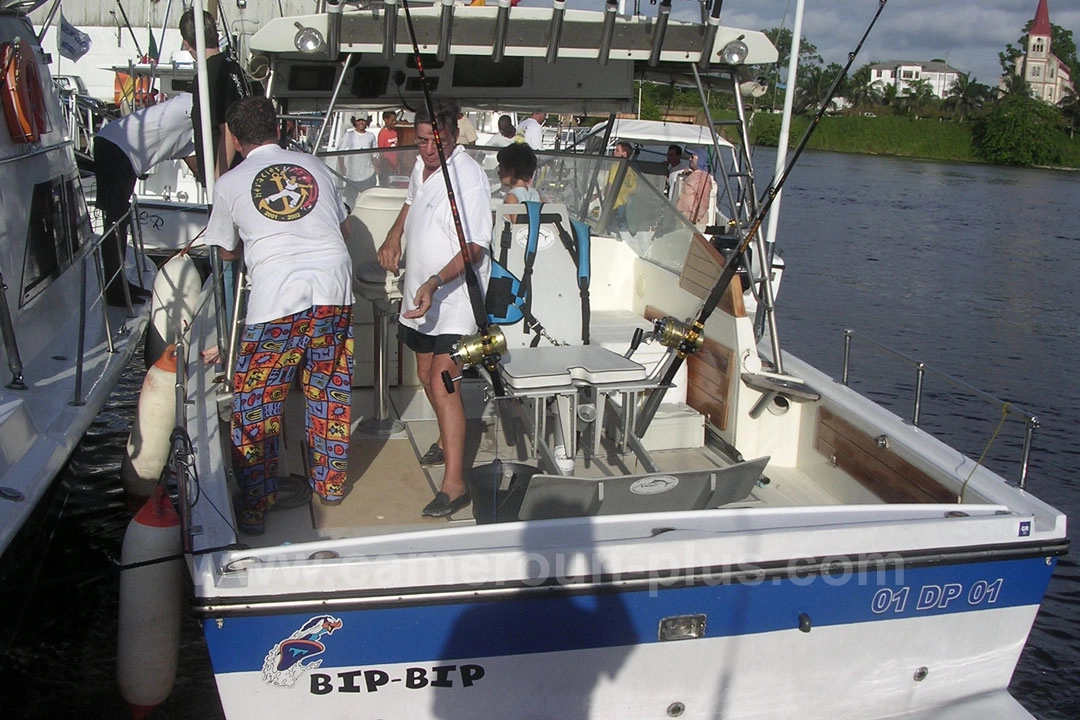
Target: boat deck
x=388, y=486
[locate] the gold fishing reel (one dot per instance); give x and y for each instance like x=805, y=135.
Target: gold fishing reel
x=674, y=333
x=481, y=349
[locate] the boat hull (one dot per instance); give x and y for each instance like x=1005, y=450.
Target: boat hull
x=869, y=643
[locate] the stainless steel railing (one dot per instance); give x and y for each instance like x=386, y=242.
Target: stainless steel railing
x=922, y=369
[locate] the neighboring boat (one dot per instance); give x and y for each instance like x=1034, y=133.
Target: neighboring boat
x=63, y=346
x=768, y=544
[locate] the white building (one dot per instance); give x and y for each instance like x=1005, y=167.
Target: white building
x=1045, y=73
x=902, y=73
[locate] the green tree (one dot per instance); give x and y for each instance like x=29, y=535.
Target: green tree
x=966, y=96
x=813, y=84
x=1018, y=130
x=860, y=91
x=1070, y=109
x=781, y=38
x=920, y=96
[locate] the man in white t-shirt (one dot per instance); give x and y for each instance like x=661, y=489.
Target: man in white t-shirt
x=531, y=130
x=359, y=171
x=466, y=130
x=124, y=150
x=675, y=165
x=437, y=309
x=286, y=209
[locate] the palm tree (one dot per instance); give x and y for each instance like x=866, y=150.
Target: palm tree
x=860, y=91
x=920, y=94
x=966, y=95
x=1017, y=85
x=1070, y=108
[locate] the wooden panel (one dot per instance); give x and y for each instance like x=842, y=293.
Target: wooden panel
x=710, y=377
x=701, y=271
x=879, y=470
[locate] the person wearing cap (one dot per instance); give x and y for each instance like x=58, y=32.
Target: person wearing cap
x=357, y=169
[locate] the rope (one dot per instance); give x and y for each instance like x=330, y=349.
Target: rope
x=979, y=462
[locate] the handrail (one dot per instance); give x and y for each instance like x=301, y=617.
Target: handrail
x=11, y=343
x=91, y=253
x=921, y=369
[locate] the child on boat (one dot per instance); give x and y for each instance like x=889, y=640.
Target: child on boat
x=517, y=164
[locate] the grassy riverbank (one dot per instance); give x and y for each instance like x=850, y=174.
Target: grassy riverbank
x=891, y=135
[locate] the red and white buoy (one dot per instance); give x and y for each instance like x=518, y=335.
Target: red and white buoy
x=151, y=597
x=172, y=304
x=155, y=416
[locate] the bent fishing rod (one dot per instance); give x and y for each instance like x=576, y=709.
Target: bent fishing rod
x=690, y=338
x=489, y=350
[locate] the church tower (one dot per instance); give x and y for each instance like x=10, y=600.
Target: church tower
x=1045, y=73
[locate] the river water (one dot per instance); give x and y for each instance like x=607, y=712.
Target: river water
x=968, y=268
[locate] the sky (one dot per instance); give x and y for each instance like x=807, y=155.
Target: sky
x=968, y=34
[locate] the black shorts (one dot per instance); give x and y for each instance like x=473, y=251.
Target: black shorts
x=418, y=342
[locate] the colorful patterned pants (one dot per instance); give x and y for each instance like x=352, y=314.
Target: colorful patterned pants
x=319, y=341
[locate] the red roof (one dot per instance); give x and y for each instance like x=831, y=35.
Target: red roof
x=1041, y=24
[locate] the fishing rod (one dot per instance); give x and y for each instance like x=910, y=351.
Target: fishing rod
x=138, y=50
x=689, y=339
x=490, y=342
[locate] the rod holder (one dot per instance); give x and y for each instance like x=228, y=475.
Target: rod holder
x=389, y=29
x=502, y=25
x=558, y=10
x=333, y=29
x=611, y=8
x=663, y=14
x=446, y=27
x=708, y=41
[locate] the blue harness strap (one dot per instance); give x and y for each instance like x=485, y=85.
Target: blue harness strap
x=509, y=299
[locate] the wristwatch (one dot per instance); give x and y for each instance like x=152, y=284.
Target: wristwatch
x=438, y=280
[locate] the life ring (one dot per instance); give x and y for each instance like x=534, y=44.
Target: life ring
x=21, y=95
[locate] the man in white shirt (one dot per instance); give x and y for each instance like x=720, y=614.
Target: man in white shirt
x=286, y=209
x=531, y=130
x=466, y=130
x=359, y=171
x=437, y=308
x=675, y=166
x=124, y=150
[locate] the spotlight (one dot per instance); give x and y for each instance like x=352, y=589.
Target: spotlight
x=308, y=40
x=735, y=52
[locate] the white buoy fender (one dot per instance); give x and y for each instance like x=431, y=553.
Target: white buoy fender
x=175, y=295
x=151, y=599
x=155, y=416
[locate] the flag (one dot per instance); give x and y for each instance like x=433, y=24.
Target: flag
x=74, y=43
x=153, y=54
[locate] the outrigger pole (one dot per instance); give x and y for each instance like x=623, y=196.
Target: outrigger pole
x=489, y=355
x=691, y=338
x=138, y=50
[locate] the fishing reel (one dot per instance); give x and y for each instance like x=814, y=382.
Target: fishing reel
x=480, y=349
x=483, y=350
x=677, y=334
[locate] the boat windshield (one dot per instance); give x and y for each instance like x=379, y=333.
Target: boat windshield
x=614, y=198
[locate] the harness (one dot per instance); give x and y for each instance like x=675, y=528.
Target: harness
x=509, y=299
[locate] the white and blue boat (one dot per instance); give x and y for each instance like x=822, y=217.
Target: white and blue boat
x=764, y=542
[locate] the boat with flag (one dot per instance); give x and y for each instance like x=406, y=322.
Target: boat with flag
x=728, y=532
x=63, y=347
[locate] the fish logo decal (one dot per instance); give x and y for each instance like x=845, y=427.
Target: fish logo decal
x=292, y=657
